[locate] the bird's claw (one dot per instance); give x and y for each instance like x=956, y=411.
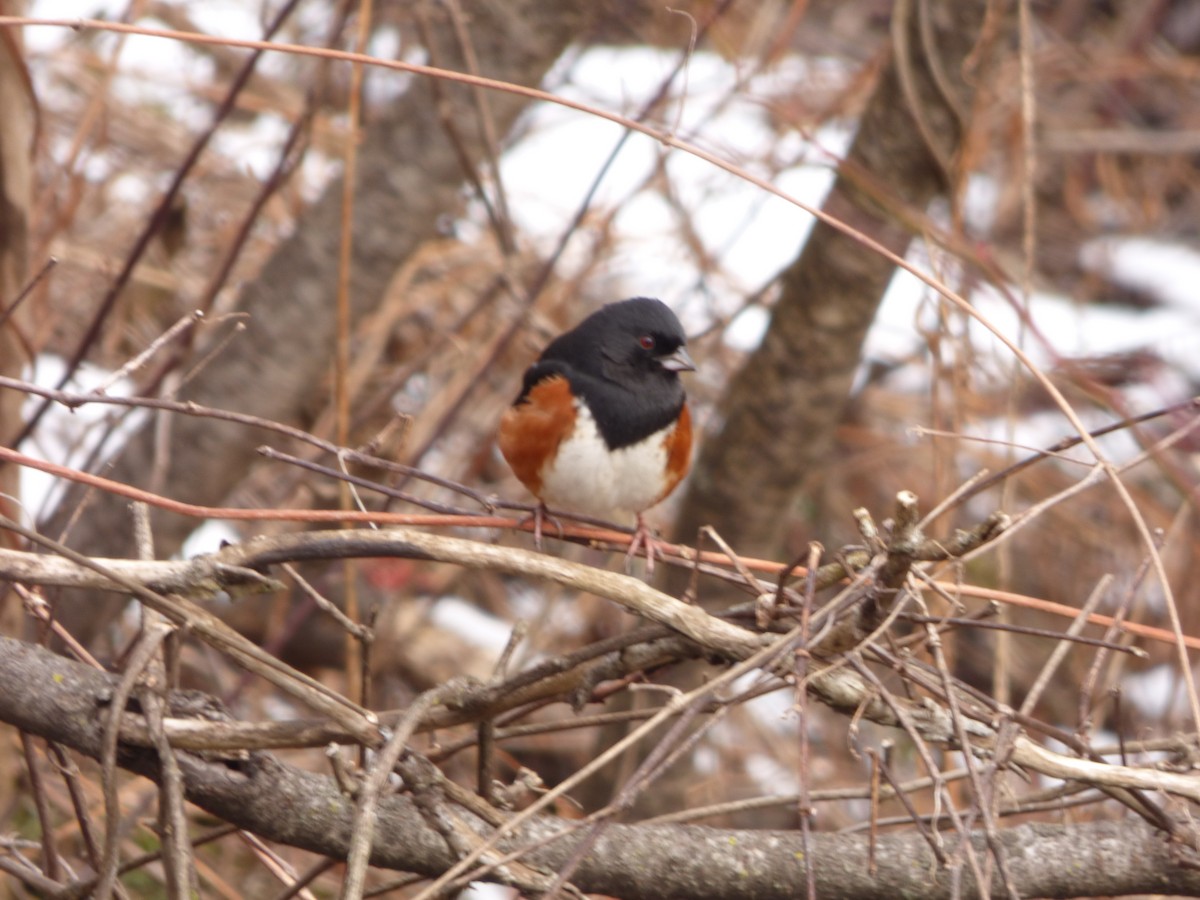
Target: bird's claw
x=642, y=538
x=540, y=515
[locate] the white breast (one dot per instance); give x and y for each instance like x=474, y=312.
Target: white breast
x=585, y=477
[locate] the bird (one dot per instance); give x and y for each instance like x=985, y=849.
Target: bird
x=601, y=426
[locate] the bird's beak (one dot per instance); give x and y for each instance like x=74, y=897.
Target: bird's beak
x=679, y=361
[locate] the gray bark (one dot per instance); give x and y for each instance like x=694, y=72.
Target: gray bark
x=64, y=701
x=780, y=411
x=409, y=176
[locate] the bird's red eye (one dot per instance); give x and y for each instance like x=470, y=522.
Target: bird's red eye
x=646, y=342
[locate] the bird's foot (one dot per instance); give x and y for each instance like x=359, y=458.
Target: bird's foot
x=539, y=516
x=644, y=539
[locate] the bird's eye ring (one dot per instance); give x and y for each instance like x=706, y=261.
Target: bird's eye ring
x=646, y=342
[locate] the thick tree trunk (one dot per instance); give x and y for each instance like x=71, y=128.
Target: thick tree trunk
x=780, y=411
x=410, y=178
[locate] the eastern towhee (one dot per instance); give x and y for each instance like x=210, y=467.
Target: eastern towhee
x=601, y=426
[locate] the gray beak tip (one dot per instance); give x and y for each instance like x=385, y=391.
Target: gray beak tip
x=679, y=361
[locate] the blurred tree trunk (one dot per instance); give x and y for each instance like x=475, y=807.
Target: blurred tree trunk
x=410, y=178
x=780, y=411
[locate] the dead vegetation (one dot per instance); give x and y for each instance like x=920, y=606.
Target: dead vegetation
x=809, y=669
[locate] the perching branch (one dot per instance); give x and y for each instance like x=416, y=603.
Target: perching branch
x=58, y=700
x=828, y=680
